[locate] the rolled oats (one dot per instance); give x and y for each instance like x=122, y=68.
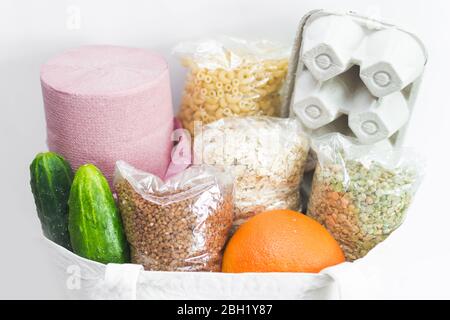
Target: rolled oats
x=266, y=156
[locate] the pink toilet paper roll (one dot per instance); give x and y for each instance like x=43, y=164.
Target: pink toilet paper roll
x=108, y=103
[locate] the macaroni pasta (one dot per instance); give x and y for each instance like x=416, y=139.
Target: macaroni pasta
x=252, y=88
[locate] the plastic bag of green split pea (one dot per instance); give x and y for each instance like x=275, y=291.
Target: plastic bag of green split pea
x=361, y=193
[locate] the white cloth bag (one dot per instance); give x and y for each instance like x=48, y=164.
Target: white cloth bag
x=85, y=279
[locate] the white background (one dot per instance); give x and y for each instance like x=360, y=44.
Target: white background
x=33, y=31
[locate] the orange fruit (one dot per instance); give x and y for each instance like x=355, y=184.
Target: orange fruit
x=281, y=241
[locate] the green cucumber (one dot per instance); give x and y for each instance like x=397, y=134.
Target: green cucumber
x=51, y=178
x=95, y=225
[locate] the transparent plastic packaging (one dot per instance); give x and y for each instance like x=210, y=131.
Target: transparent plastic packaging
x=231, y=77
x=266, y=156
x=181, y=224
x=361, y=193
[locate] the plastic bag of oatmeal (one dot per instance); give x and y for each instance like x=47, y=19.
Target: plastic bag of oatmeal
x=266, y=156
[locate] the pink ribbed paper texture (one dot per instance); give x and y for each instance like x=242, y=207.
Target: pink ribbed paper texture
x=108, y=103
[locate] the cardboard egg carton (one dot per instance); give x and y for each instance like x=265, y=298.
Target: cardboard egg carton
x=354, y=75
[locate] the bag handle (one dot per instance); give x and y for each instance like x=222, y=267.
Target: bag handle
x=120, y=282
x=350, y=282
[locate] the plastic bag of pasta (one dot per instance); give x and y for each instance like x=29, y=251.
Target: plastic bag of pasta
x=229, y=77
x=361, y=193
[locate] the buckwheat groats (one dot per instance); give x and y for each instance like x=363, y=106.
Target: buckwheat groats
x=266, y=156
x=179, y=225
x=231, y=78
x=359, y=198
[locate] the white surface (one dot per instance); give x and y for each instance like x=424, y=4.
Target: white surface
x=32, y=31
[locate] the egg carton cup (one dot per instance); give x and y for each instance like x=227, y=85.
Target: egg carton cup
x=349, y=65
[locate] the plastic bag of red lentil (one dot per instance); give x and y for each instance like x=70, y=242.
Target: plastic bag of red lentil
x=181, y=224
